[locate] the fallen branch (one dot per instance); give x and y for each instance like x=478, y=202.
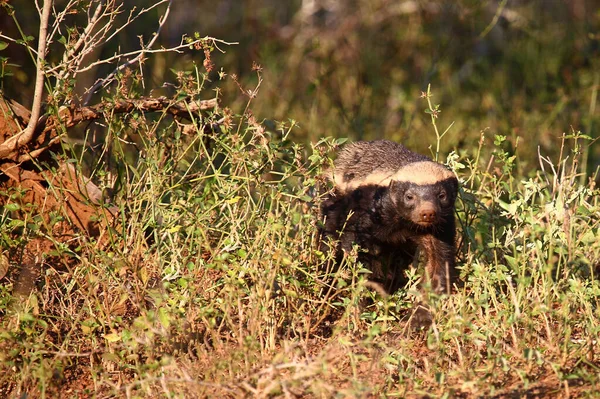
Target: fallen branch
x=50, y=128
x=71, y=116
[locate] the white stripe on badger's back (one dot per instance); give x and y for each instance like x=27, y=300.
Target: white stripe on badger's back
x=423, y=173
x=419, y=173
x=377, y=178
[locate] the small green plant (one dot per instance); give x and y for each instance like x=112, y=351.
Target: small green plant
x=434, y=111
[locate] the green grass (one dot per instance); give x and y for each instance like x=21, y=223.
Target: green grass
x=210, y=284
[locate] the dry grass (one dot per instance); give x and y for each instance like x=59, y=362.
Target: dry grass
x=210, y=285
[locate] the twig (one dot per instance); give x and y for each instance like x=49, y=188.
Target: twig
x=84, y=36
x=93, y=35
x=494, y=20
x=22, y=43
x=73, y=115
x=149, y=51
x=59, y=17
x=137, y=53
x=131, y=18
x=138, y=58
x=26, y=135
x=96, y=35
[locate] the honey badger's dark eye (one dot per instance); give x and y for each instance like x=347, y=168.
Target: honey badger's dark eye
x=442, y=195
x=409, y=197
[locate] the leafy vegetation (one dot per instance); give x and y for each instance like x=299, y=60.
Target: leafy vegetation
x=207, y=281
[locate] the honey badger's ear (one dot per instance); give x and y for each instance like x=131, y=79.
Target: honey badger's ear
x=454, y=183
x=382, y=193
x=390, y=191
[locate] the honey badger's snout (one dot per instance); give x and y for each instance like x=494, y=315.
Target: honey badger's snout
x=426, y=214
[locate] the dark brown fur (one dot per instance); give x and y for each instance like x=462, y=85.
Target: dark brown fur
x=376, y=203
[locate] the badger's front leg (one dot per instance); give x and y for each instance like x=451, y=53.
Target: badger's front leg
x=440, y=267
x=440, y=271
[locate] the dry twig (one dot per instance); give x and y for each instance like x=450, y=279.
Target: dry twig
x=24, y=137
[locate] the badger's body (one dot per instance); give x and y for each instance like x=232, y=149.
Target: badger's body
x=394, y=204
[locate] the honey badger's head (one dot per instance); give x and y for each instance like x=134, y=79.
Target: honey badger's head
x=422, y=204
x=422, y=193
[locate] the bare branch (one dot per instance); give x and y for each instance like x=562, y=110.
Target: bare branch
x=131, y=19
x=72, y=116
x=176, y=49
x=72, y=57
x=26, y=135
x=22, y=43
x=99, y=30
x=59, y=17
x=109, y=78
x=49, y=133
x=89, y=39
x=86, y=32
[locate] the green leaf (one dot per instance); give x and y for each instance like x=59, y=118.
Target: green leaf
x=174, y=229
x=12, y=207
x=164, y=318
x=3, y=45
x=588, y=238
x=233, y=200
x=112, y=337
x=512, y=262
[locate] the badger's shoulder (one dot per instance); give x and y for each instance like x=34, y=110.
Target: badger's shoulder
x=378, y=163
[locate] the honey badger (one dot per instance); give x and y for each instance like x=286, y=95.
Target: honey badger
x=394, y=204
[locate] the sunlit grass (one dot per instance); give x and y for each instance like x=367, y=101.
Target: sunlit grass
x=209, y=283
